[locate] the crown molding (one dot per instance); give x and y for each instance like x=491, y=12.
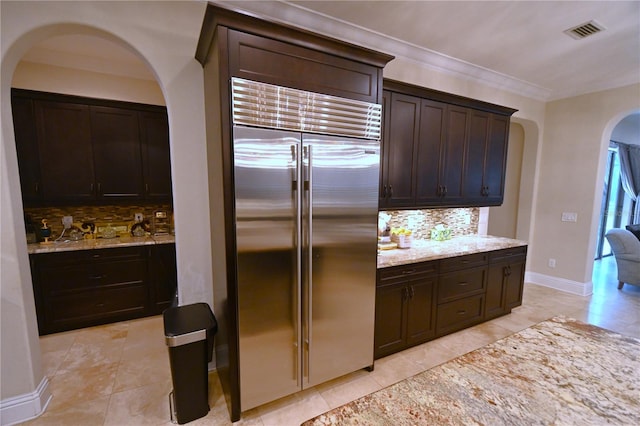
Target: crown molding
x=297, y=15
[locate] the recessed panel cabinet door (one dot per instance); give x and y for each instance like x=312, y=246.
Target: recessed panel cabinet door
x=116, y=152
x=496, y=159
x=432, y=145
x=452, y=165
x=390, y=319
x=398, y=170
x=64, y=148
x=474, y=188
x=27, y=148
x=156, y=159
x=420, y=310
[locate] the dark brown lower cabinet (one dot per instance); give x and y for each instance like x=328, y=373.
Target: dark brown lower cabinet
x=405, y=307
x=505, y=278
x=419, y=302
x=76, y=289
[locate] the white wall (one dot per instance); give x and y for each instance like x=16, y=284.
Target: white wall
x=70, y=81
x=503, y=220
x=576, y=136
x=165, y=35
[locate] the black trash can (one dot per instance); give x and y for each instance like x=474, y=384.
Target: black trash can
x=189, y=331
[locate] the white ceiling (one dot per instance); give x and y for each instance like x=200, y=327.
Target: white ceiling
x=517, y=45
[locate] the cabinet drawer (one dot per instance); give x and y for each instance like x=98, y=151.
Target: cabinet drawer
x=413, y=270
x=463, y=283
x=463, y=262
x=508, y=254
x=458, y=314
x=66, y=279
x=85, y=257
x=97, y=303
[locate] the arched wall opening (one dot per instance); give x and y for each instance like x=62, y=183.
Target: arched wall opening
x=514, y=218
x=607, y=133
x=180, y=80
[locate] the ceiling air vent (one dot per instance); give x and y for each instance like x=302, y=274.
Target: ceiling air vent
x=585, y=30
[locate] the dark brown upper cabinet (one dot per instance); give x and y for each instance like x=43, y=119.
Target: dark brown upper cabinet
x=441, y=150
x=65, y=151
x=24, y=117
x=75, y=150
x=116, y=148
x=402, y=129
x=156, y=161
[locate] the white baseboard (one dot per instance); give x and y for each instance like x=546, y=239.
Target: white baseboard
x=574, y=287
x=26, y=406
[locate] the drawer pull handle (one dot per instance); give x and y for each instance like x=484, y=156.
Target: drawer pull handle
x=408, y=271
x=463, y=283
x=97, y=277
x=461, y=312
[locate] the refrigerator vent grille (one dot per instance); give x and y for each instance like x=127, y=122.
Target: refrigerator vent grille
x=277, y=107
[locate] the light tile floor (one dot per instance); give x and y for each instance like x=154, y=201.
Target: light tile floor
x=119, y=374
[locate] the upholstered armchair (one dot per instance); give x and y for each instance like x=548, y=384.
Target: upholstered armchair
x=626, y=249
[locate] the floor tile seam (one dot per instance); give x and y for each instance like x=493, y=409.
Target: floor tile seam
x=66, y=355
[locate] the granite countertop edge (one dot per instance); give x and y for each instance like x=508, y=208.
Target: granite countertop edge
x=426, y=250
x=100, y=243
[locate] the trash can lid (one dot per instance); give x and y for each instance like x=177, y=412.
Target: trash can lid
x=188, y=321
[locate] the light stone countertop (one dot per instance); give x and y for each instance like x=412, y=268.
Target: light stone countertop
x=100, y=243
x=425, y=250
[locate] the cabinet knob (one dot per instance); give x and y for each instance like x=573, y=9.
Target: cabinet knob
x=390, y=191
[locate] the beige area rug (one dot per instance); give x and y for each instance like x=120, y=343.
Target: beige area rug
x=558, y=372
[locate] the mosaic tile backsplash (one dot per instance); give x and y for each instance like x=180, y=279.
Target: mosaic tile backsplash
x=461, y=221
x=97, y=214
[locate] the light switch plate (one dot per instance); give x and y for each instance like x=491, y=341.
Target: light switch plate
x=569, y=217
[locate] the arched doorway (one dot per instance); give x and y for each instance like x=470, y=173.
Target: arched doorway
x=22, y=368
x=617, y=206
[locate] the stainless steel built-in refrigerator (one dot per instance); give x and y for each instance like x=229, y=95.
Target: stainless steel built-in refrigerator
x=306, y=171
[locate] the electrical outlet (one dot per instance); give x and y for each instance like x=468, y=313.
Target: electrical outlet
x=67, y=221
x=138, y=217
x=552, y=263
x=569, y=217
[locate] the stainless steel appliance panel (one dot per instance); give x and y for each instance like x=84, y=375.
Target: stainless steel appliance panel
x=340, y=227
x=268, y=286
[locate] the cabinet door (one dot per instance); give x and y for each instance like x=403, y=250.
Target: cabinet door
x=116, y=153
x=404, y=122
x=429, y=152
x=156, y=158
x=64, y=149
x=420, y=310
x=452, y=160
x=494, y=300
x=514, y=285
x=163, y=273
x=24, y=126
x=390, y=319
x=475, y=157
x=496, y=160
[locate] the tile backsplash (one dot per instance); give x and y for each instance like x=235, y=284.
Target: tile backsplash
x=96, y=214
x=461, y=221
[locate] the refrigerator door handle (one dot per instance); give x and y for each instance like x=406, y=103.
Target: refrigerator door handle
x=308, y=244
x=295, y=183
